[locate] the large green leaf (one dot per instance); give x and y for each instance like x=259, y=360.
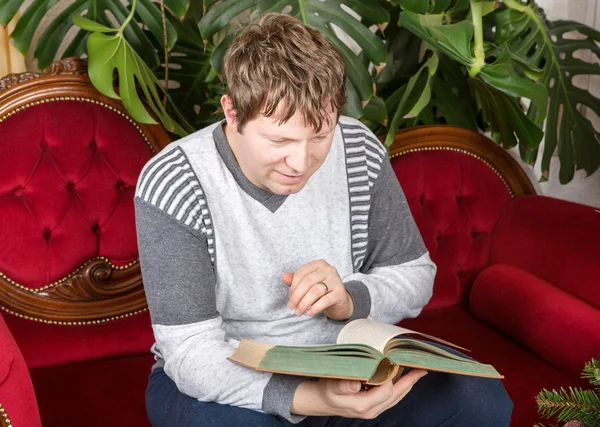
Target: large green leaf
x=109, y=51
x=8, y=9
x=414, y=96
x=28, y=23
x=198, y=87
x=322, y=15
x=507, y=121
x=542, y=43
x=451, y=97
x=150, y=15
x=501, y=77
x=100, y=11
x=404, y=50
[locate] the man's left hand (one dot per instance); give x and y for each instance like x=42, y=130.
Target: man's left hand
x=317, y=287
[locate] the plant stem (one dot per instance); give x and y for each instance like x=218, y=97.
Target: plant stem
x=478, y=33
x=129, y=17
x=166, y=41
x=302, y=11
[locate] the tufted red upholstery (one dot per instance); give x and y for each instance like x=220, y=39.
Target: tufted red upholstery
x=456, y=200
x=68, y=171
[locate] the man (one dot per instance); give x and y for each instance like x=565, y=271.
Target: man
x=281, y=224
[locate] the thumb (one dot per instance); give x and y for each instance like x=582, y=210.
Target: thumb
x=287, y=278
x=347, y=387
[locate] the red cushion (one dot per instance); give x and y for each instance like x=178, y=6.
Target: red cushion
x=49, y=345
x=16, y=392
x=98, y=394
x=555, y=325
x=525, y=374
x=68, y=171
x=555, y=240
x=456, y=200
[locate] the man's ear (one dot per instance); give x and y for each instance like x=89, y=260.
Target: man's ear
x=229, y=112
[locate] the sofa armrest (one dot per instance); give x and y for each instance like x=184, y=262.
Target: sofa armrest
x=555, y=240
x=553, y=324
x=17, y=397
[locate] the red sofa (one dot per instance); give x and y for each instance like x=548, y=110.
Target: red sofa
x=516, y=283
x=518, y=279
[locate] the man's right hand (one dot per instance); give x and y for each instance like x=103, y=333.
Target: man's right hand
x=326, y=397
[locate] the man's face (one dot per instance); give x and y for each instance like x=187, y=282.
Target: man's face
x=280, y=158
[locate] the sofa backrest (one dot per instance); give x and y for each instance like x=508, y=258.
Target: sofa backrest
x=457, y=183
x=69, y=269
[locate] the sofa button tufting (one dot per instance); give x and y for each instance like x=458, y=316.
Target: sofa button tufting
x=95, y=228
x=46, y=234
x=44, y=145
x=93, y=146
x=70, y=186
x=120, y=186
x=19, y=192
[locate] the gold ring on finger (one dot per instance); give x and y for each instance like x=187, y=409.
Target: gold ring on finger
x=326, y=288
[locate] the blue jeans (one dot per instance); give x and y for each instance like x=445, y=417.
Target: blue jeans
x=436, y=400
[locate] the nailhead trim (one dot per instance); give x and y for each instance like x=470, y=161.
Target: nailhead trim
x=66, y=323
x=488, y=164
x=4, y=420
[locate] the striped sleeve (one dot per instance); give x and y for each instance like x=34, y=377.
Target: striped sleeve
x=364, y=157
x=170, y=184
x=393, y=272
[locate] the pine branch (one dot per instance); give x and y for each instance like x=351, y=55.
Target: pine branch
x=591, y=372
x=575, y=404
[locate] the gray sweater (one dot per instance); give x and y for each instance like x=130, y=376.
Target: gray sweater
x=213, y=248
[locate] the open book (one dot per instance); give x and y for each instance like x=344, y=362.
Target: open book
x=366, y=350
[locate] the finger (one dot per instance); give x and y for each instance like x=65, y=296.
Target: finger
x=399, y=390
x=304, y=270
x=398, y=375
x=306, y=285
x=317, y=295
x=327, y=300
x=346, y=387
x=378, y=396
x=405, y=383
x=326, y=273
x=287, y=278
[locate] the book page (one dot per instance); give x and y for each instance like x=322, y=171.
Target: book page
x=370, y=332
x=377, y=334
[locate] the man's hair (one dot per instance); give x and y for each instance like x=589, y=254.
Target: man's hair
x=279, y=59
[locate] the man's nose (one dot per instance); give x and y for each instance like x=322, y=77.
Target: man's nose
x=298, y=158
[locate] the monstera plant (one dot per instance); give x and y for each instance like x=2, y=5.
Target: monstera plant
x=492, y=66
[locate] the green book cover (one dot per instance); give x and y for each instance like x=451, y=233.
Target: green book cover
x=366, y=350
